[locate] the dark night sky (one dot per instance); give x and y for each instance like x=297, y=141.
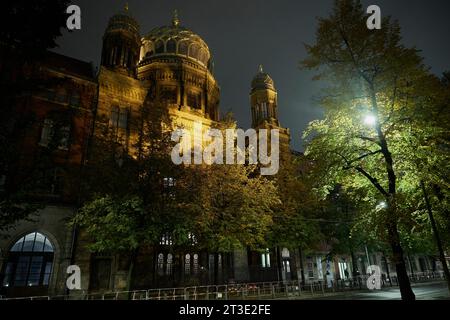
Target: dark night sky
x=242, y=34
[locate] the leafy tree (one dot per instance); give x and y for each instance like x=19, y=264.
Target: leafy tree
x=127, y=200
x=295, y=225
x=133, y=197
x=375, y=83
x=28, y=30
x=232, y=208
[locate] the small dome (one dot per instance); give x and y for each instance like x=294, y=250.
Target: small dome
x=176, y=40
x=262, y=81
x=123, y=21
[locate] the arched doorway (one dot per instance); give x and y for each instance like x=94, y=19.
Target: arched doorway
x=29, y=266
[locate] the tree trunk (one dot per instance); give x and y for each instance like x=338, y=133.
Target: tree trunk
x=302, y=270
x=352, y=256
x=279, y=264
x=394, y=237
x=354, y=267
x=436, y=234
x=216, y=268
x=387, y=269
x=400, y=266
x=131, y=265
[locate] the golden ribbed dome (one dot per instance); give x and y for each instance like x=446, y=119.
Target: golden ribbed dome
x=262, y=81
x=123, y=21
x=175, y=40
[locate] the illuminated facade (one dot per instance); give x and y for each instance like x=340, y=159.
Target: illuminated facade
x=169, y=69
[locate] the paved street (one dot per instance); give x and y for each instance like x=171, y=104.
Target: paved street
x=423, y=291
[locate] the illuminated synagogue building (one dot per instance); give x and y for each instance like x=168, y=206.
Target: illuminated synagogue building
x=170, y=70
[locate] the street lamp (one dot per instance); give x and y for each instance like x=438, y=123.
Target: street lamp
x=381, y=205
x=370, y=120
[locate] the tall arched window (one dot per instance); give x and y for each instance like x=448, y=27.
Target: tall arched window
x=195, y=263
x=30, y=262
x=193, y=51
x=161, y=264
x=183, y=47
x=171, y=46
x=265, y=259
x=169, y=265
x=203, y=57
x=187, y=264
x=159, y=47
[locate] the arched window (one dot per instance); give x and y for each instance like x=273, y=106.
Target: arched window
x=171, y=46
x=114, y=117
x=161, y=264
x=159, y=47
x=192, y=238
x=169, y=264
x=265, y=259
x=193, y=51
x=183, y=47
x=286, y=266
x=30, y=262
x=166, y=240
x=75, y=99
x=195, y=263
x=187, y=264
x=203, y=57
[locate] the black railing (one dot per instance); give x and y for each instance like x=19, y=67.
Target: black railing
x=243, y=291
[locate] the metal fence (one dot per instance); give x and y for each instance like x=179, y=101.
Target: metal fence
x=244, y=291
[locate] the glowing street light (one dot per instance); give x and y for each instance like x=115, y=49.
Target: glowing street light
x=370, y=120
x=381, y=205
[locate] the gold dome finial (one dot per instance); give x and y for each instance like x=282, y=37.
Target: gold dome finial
x=260, y=68
x=175, y=20
x=126, y=7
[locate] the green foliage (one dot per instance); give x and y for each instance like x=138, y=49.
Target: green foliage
x=115, y=224
x=371, y=73
x=295, y=219
x=232, y=207
x=131, y=203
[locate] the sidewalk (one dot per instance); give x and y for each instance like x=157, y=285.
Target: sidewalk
x=437, y=290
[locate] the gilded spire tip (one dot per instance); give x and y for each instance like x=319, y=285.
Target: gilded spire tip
x=126, y=7
x=175, y=19
x=260, y=68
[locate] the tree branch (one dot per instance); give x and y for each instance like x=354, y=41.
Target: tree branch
x=373, y=180
x=369, y=139
x=364, y=156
